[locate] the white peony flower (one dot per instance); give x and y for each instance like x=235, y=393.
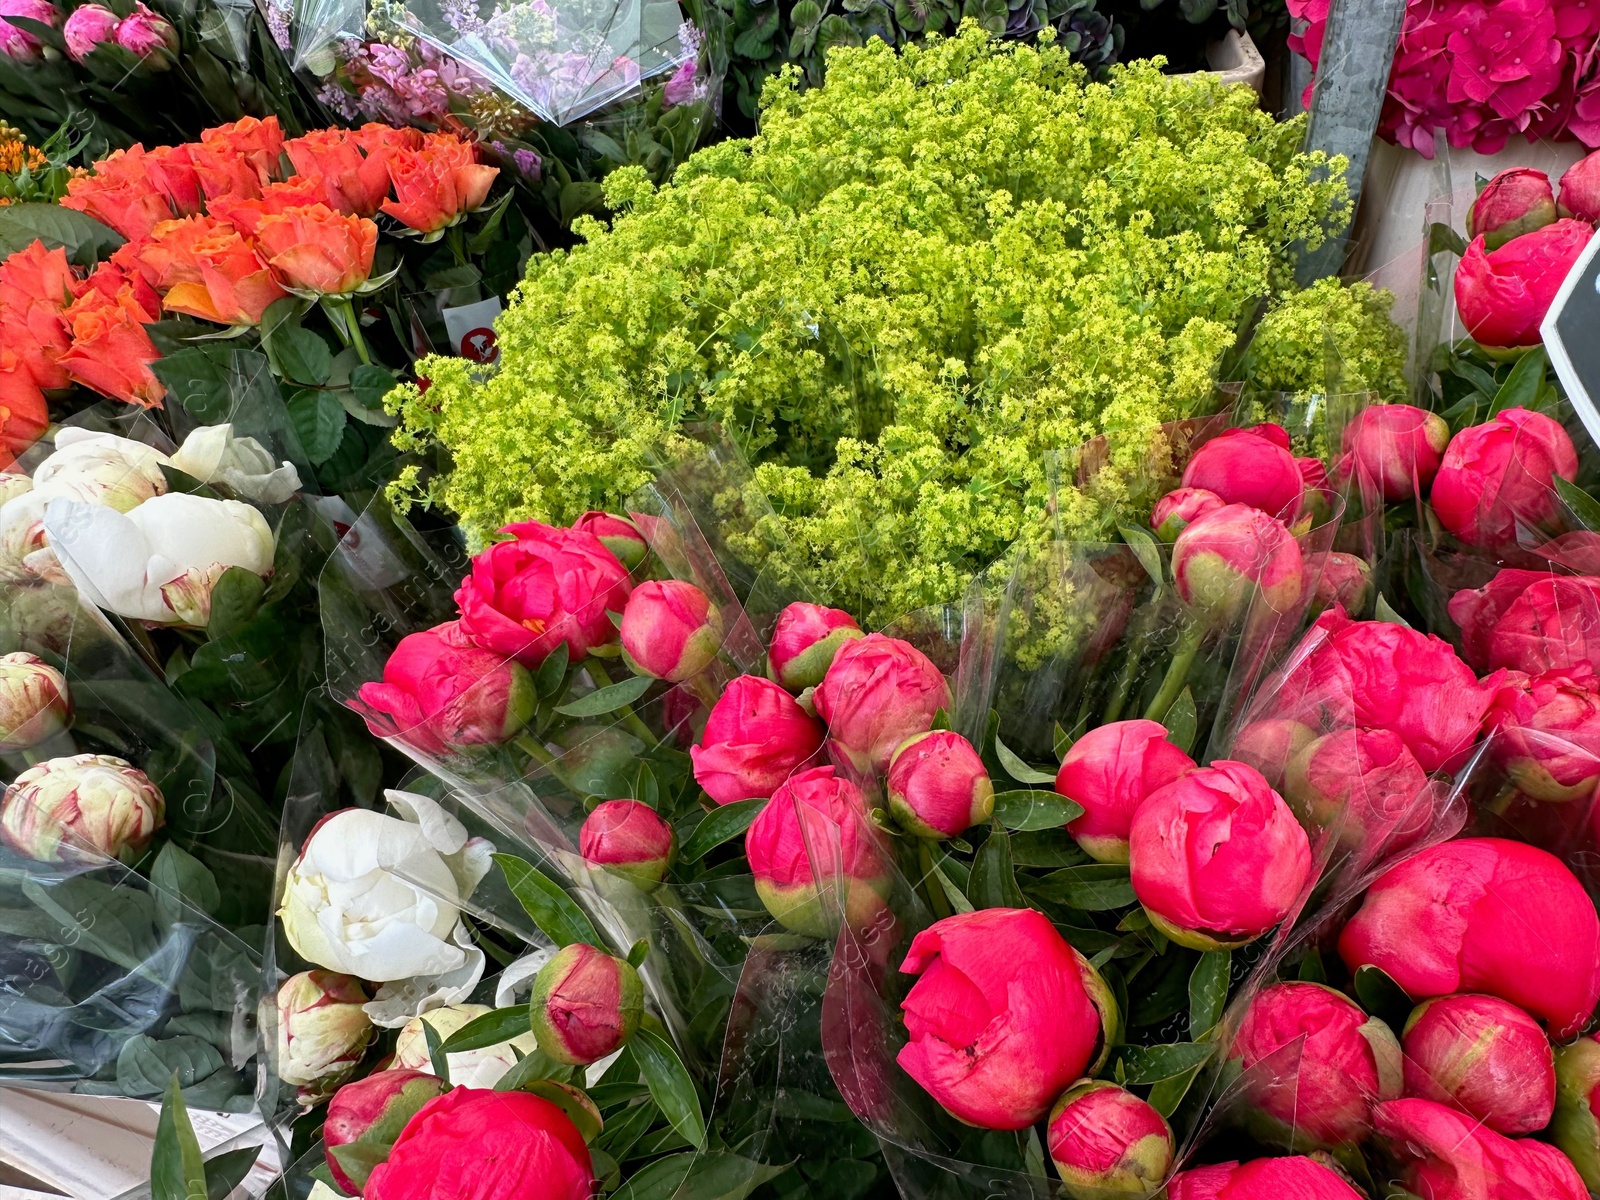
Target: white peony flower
x=480, y=1068
x=101, y=468
x=213, y=455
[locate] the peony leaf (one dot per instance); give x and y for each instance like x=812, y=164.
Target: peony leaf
x=1029, y=809
x=1584, y=508
x=1383, y=611
x=608, y=699
x=552, y=910
x=1143, y=544
x=722, y=824
x=1182, y=721
x=1381, y=996
x=437, y=1059
x=1208, y=991
x=573, y=1101
x=226, y=1171
x=551, y=672
x=1093, y=887
x=1017, y=769
x=669, y=1084
x=177, y=1172
x=993, y=883
x=490, y=1029
x=1142, y=1065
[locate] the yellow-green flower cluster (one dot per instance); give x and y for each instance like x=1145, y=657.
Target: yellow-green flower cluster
x=915, y=284
x=1333, y=337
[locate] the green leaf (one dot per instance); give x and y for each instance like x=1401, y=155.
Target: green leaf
x=1062, y=742
x=371, y=384
x=1584, y=507
x=234, y=601
x=1381, y=996
x=318, y=419
x=492, y=1028
x=1029, y=809
x=177, y=1171
x=436, y=1055
x=537, y=1065
x=551, y=672
x=1182, y=722
x=1019, y=770
x=302, y=355
x=1444, y=238
x=1311, y=968
x=552, y=910
x=227, y=1171
x=1382, y=611
x=1208, y=991
x=1093, y=887
x=1522, y=385
x=608, y=699
x=1046, y=848
x=958, y=898
x=993, y=883
x=639, y=952
x=1165, y=1096
x=1143, y=1065
x=86, y=240
x=1143, y=544
x=669, y=1084
x=721, y=824
x=178, y=878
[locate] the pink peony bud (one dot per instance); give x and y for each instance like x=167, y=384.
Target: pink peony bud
x=543, y=588
x=1181, y=508
x=34, y=702
x=1249, y=466
x=1105, y=1141
x=1270, y=744
x=15, y=42
x=585, y=1005
x=1575, y=1128
x=804, y=641
x=1342, y=579
x=1580, y=190
x=73, y=809
x=86, y=27
x=1547, y=733
x=1530, y=621
x=1264, y=1179
x=1484, y=1056
x=629, y=838
x=439, y=691
x=938, y=787
x=617, y=534
x=670, y=630
x=1447, y=1155
x=1499, y=475
x=147, y=33
x=1459, y=916
x=1514, y=202
x=1503, y=295
x=322, y=1032
x=1221, y=561
x=811, y=837
x=1315, y=1064
x=1393, y=451
x=878, y=692
x=999, y=1021
x=756, y=736
x=1364, y=788
x=1217, y=857
x=1316, y=503
x=368, y=1115
x=1109, y=771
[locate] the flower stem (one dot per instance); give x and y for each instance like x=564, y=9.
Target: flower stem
x=347, y=325
x=932, y=891
x=630, y=718
x=1183, y=657
x=531, y=746
x=1132, y=657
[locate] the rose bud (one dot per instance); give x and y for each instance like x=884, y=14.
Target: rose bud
x=1314, y=1064
x=1447, y=1155
x=1514, y=202
x=1364, y=787
x=1461, y=916
x=1105, y=1141
x=1486, y=1057
x=1217, y=857
x=1270, y=744
x=475, y=1144
x=483, y=1067
x=1249, y=466
x=1503, y=295
x=1181, y=508
x=1530, y=621
x=1547, y=733
x=1342, y=579
x=804, y=641
x=545, y=587
x=1296, y=1178
x=617, y=534
x=1580, y=190
x=440, y=692
x=878, y=692
x=1393, y=451
x=630, y=839
x=1109, y=771
x=756, y=736
x=1574, y=1128
x=86, y=27
x=585, y=1004
x=670, y=630
x=74, y=809
x=322, y=1032
x=999, y=1021
x=34, y=702
x=816, y=814
x=1222, y=560
x=1501, y=473
x=938, y=787
x=369, y=1114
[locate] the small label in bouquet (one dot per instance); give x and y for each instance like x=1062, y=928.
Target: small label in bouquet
x=1571, y=332
x=471, y=330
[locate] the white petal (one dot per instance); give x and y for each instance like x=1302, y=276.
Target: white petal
x=105, y=555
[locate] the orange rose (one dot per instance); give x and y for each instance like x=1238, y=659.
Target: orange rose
x=436, y=185
x=37, y=274
x=245, y=215
x=314, y=249
x=356, y=183
x=172, y=171
x=375, y=138
x=224, y=172
x=124, y=269
x=120, y=194
x=37, y=338
x=111, y=352
x=167, y=257
x=234, y=287
x=258, y=142
x=24, y=415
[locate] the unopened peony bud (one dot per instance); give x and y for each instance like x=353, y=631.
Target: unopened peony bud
x=1484, y=1056
x=481, y=1068
x=1249, y=466
x=1503, y=295
x=878, y=692
x=1181, y=508
x=938, y=787
x=1514, y=202
x=617, y=534
x=1270, y=744
x=1547, y=732
x=804, y=641
x=629, y=838
x=1298, y=1178
x=1575, y=1127
x=1221, y=561
x=1342, y=579
x=1580, y=190
x=670, y=630
x=322, y=1032
x=86, y=27
x=368, y=1115
x=586, y=1004
x=1447, y=1155
x=1109, y=771
x=148, y=34
x=34, y=702
x=1393, y=451
x=70, y=809
x=1362, y=786
x=756, y=736
x=1500, y=475
x=597, y=760
x=1106, y=1142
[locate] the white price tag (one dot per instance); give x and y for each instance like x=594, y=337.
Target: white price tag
x=471, y=330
